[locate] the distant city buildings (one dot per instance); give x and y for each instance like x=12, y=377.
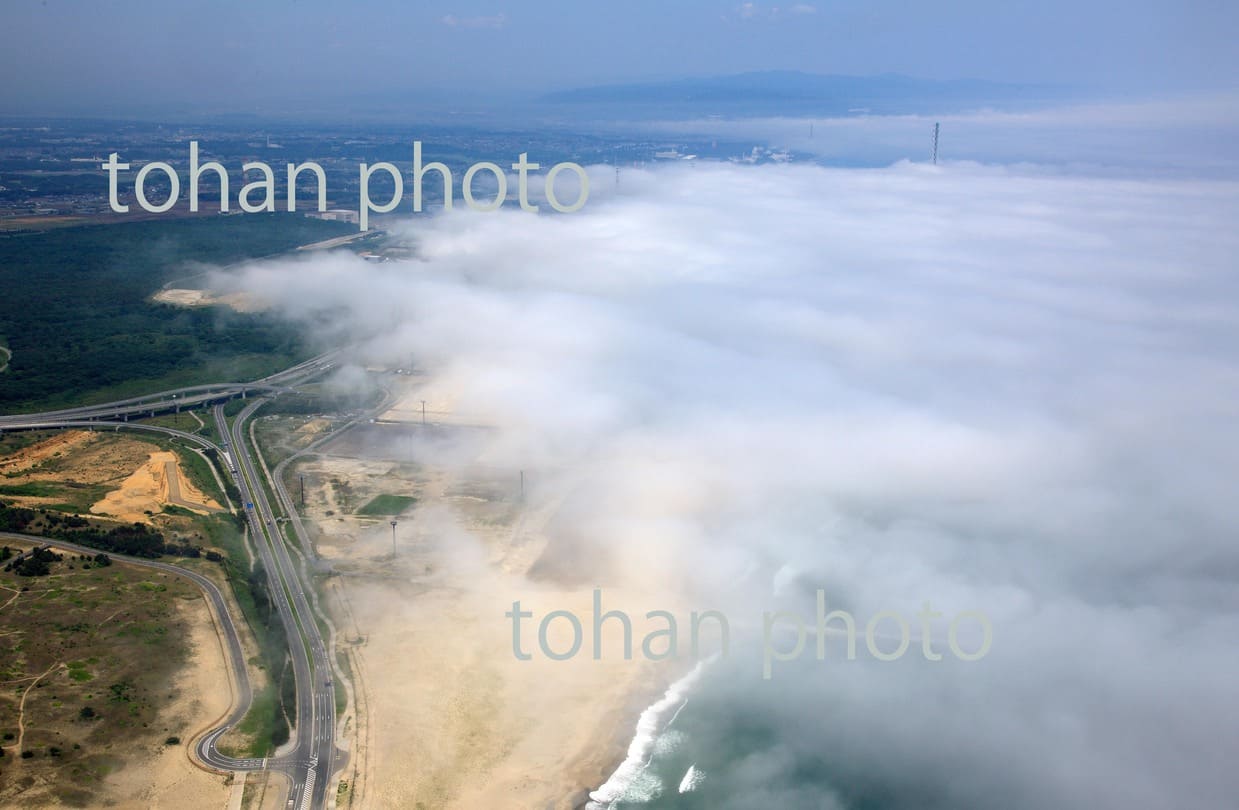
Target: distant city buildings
x=53, y=170
x=335, y=215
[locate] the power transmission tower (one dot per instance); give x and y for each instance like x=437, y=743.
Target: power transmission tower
x=935, y=143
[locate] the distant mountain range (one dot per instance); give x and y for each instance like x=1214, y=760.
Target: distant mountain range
x=793, y=92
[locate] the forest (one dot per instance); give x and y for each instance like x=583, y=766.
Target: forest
x=77, y=316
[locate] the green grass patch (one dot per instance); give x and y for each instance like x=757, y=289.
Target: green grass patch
x=178, y=421
x=259, y=725
x=340, y=695
x=12, y=442
x=73, y=498
x=37, y=489
x=387, y=505
x=235, y=406
x=264, y=724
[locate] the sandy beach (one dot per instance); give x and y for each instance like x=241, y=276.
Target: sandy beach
x=450, y=718
x=457, y=721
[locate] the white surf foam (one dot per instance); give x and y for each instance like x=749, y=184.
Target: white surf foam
x=632, y=771
x=692, y=778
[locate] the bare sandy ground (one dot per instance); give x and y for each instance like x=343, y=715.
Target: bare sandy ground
x=240, y=302
x=34, y=455
x=457, y=721
x=74, y=458
x=155, y=484
x=164, y=777
x=450, y=718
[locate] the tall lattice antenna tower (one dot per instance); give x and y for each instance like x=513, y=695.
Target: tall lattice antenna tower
x=935, y=143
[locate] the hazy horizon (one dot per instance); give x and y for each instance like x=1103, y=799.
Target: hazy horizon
x=145, y=57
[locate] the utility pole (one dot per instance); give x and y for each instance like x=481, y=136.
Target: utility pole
x=935, y=143
x=522, y=485
x=303, y=491
x=393, y=539
x=423, y=413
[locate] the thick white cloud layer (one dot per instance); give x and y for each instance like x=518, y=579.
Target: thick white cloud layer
x=991, y=388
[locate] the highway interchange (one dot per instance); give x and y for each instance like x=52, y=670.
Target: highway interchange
x=310, y=757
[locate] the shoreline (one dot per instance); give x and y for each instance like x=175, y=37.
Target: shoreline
x=652, y=721
x=619, y=739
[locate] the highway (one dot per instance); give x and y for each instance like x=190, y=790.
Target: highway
x=179, y=399
x=310, y=758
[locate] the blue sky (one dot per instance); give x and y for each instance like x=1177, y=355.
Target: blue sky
x=228, y=53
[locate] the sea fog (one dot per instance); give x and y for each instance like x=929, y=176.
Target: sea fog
x=996, y=384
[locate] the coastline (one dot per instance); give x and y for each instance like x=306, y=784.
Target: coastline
x=615, y=739
x=456, y=721
x=652, y=721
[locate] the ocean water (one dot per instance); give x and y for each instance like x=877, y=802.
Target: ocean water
x=723, y=738
x=716, y=740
